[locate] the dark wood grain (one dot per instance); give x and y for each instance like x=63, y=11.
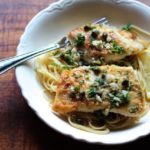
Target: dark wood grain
x=20, y=128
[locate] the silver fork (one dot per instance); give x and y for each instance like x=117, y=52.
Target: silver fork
x=8, y=63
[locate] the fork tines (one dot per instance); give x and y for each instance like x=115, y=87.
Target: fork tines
x=101, y=21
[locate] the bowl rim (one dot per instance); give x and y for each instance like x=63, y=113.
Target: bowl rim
x=52, y=6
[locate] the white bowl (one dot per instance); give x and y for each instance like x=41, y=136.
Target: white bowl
x=53, y=23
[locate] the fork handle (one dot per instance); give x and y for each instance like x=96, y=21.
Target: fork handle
x=8, y=63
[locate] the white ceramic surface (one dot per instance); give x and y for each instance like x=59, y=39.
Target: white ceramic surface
x=49, y=26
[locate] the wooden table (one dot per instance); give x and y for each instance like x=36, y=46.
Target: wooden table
x=20, y=128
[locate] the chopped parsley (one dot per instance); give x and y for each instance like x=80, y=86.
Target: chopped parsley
x=67, y=57
x=133, y=108
x=80, y=40
x=117, y=48
x=127, y=27
x=124, y=96
x=54, y=64
x=63, y=67
x=118, y=98
x=100, y=81
x=70, y=57
x=76, y=88
x=92, y=92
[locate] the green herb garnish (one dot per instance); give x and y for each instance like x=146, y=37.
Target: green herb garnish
x=100, y=81
x=64, y=67
x=80, y=40
x=92, y=92
x=119, y=98
x=124, y=96
x=54, y=64
x=133, y=108
x=76, y=88
x=117, y=48
x=127, y=27
x=67, y=57
x=70, y=57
